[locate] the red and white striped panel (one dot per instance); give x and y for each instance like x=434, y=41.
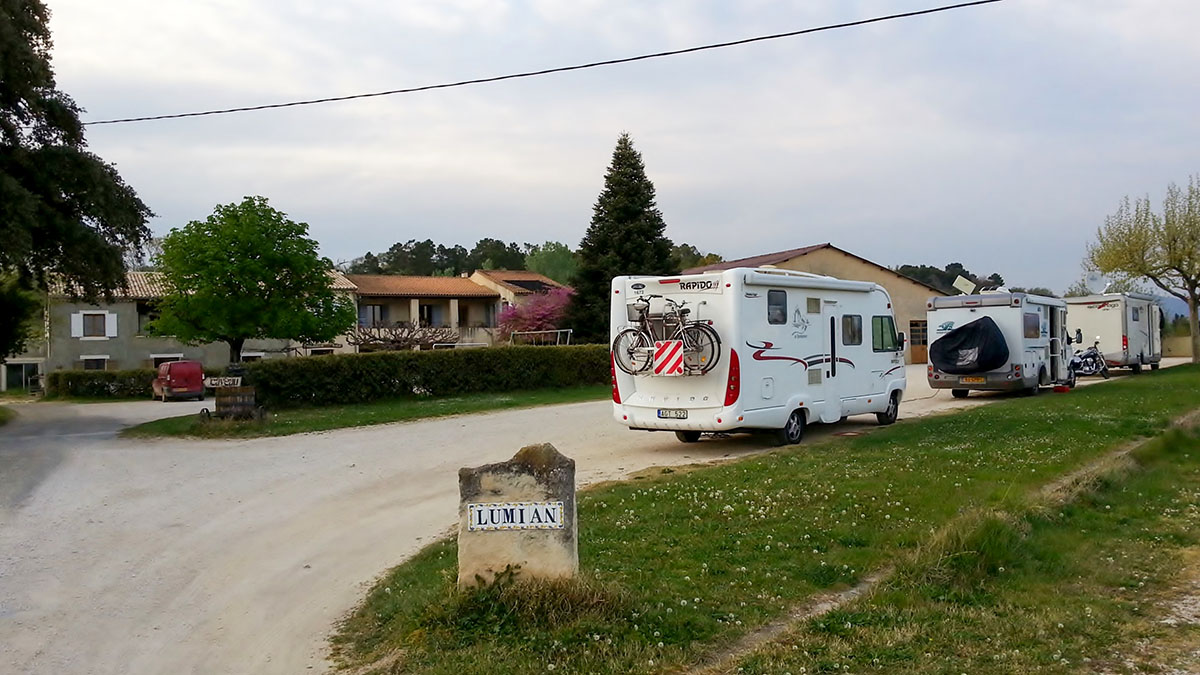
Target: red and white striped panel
x=668, y=357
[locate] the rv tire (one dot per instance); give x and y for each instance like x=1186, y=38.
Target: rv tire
x=959, y=393
x=1136, y=368
x=1153, y=366
x=687, y=436
x=893, y=410
x=1033, y=391
x=793, y=431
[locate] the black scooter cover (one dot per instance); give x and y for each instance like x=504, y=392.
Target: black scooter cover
x=974, y=347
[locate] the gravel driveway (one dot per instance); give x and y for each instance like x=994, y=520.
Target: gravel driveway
x=169, y=556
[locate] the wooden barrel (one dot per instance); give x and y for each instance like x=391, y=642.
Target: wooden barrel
x=235, y=402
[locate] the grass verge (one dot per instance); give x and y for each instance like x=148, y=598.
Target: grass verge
x=706, y=556
x=301, y=420
x=1081, y=588
x=6, y=415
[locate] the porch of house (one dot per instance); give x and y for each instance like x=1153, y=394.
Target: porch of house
x=474, y=319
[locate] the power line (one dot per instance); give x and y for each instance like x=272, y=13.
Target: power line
x=548, y=71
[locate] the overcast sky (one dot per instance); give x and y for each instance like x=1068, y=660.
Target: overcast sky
x=998, y=136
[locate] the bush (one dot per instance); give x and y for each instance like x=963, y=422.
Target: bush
x=358, y=378
x=101, y=383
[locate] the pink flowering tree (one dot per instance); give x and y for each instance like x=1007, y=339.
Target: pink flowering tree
x=544, y=311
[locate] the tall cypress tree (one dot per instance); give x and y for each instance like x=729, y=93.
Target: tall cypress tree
x=625, y=237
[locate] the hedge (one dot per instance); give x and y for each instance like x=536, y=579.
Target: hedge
x=101, y=383
x=357, y=378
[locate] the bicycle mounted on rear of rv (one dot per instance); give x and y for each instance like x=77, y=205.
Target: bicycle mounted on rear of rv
x=633, y=348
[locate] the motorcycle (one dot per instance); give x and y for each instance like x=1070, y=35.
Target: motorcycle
x=1089, y=361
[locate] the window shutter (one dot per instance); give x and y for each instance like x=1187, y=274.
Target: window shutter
x=110, y=324
x=77, y=324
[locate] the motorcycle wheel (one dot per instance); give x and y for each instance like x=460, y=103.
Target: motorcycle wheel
x=1104, y=373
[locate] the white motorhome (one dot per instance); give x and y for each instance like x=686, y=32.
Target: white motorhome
x=998, y=341
x=765, y=349
x=1128, y=327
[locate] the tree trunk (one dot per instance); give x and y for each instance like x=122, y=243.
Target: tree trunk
x=235, y=348
x=1194, y=324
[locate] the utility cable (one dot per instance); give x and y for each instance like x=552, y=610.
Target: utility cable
x=548, y=71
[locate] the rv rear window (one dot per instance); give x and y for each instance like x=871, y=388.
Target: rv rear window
x=883, y=334
x=1137, y=313
x=1033, y=326
x=851, y=329
x=776, y=307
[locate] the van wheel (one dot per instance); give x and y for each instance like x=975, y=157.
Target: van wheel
x=959, y=393
x=793, y=431
x=893, y=410
x=687, y=436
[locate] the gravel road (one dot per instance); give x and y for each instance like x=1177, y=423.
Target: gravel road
x=169, y=556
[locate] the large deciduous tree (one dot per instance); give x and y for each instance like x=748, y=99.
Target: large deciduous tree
x=1137, y=243
x=248, y=272
x=553, y=259
x=64, y=212
x=626, y=237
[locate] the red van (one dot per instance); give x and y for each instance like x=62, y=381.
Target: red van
x=179, y=379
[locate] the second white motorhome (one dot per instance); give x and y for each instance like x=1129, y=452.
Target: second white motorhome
x=1128, y=327
x=752, y=349
x=998, y=341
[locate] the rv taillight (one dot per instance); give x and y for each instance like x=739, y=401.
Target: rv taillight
x=1125, y=343
x=733, y=386
x=612, y=363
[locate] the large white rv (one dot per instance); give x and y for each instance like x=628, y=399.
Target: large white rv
x=998, y=341
x=1128, y=327
x=752, y=349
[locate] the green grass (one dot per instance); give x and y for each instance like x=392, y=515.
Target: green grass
x=300, y=420
x=6, y=415
x=1084, y=588
x=707, y=555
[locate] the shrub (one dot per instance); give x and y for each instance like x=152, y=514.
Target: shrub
x=358, y=378
x=101, y=383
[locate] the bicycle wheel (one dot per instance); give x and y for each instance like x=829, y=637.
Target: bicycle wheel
x=631, y=351
x=702, y=347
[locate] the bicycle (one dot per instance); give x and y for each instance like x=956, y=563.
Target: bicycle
x=633, y=347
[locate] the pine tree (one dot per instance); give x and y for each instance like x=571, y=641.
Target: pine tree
x=625, y=237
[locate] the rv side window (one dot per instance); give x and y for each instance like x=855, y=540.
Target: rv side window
x=776, y=307
x=883, y=334
x=1033, y=326
x=1137, y=313
x=814, y=305
x=851, y=329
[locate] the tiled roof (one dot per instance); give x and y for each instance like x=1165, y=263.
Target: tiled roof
x=521, y=282
x=781, y=256
x=418, y=287
x=150, y=285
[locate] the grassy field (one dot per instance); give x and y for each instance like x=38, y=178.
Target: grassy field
x=6, y=415
x=1085, y=588
x=694, y=560
x=300, y=420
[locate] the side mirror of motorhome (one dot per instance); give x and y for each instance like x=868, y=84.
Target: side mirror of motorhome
x=902, y=338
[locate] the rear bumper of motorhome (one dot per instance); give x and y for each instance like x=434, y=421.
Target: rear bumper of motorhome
x=991, y=381
x=698, y=419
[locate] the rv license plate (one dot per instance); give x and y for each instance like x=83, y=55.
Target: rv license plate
x=672, y=414
x=972, y=380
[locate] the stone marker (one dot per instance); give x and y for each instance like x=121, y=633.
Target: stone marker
x=520, y=513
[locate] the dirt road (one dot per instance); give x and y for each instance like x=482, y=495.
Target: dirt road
x=124, y=556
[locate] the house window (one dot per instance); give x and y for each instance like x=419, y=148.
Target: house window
x=160, y=359
x=883, y=334
x=371, y=315
x=93, y=325
x=1033, y=325
x=851, y=329
x=490, y=320
x=464, y=314
x=145, y=314
x=776, y=307
x=323, y=351
x=918, y=332
x=95, y=363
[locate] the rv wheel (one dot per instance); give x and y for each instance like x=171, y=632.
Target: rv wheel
x=793, y=431
x=1153, y=366
x=687, y=436
x=893, y=410
x=1136, y=368
x=959, y=393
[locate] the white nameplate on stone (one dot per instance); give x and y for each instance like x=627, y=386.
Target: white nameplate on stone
x=515, y=516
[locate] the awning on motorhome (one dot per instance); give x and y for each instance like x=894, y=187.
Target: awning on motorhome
x=974, y=347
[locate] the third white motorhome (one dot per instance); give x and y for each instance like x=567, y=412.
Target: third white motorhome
x=752, y=349
x=1128, y=327
x=998, y=341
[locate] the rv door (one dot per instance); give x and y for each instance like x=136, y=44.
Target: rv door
x=831, y=386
